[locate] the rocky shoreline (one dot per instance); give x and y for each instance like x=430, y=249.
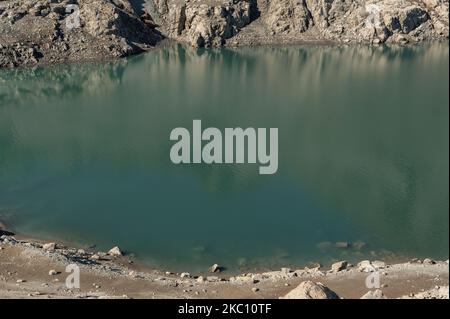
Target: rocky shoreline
x=36, y=269
x=57, y=31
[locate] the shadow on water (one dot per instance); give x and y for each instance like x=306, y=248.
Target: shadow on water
x=363, y=137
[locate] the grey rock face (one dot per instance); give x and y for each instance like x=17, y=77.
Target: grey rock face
x=41, y=31
x=202, y=23
x=18, y=54
x=116, y=28
x=211, y=23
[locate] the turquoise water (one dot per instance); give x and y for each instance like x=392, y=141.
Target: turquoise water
x=363, y=154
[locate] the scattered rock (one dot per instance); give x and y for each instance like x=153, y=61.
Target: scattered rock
x=428, y=261
x=49, y=246
x=255, y=289
x=415, y=261
x=53, y=272
x=201, y=279
x=371, y=266
x=185, y=275
x=311, y=290
x=115, y=251
x=95, y=257
x=215, y=268
x=339, y=266
x=438, y=292
x=212, y=278
x=374, y=294
x=377, y=264
x=286, y=270
x=20, y=281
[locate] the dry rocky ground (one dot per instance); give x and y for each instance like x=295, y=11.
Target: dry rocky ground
x=33, y=269
x=56, y=31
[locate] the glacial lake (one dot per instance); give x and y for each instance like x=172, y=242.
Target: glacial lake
x=363, y=155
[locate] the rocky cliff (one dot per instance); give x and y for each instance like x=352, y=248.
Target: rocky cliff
x=55, y=31
x=233, y=22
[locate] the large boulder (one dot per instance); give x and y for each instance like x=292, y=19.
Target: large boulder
x=311, y=290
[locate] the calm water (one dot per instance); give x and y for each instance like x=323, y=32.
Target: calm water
x=363, y=154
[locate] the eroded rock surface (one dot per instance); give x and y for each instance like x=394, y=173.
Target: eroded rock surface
x=213, y=22
x=54, y=31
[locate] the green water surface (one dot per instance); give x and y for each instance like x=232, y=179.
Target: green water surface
x=363, y=154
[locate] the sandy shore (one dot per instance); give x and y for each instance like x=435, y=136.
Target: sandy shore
x=35, y=269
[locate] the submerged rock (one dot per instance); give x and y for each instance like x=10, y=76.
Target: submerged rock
x=311, y=290
x=342, y=244
x=215, y=268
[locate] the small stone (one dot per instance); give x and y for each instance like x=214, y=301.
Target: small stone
x=374, y=294
x=115, y=251
x=49, y=246
x=20, y=281
x=52, y=272
x=185, y=275
x=338, y=266
x=212, y=278
x=215, y=268
x=428, y=261
x=94, y=257
x=377, y=264
x=200, y=279
x=366, y=266
x=255, y=289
